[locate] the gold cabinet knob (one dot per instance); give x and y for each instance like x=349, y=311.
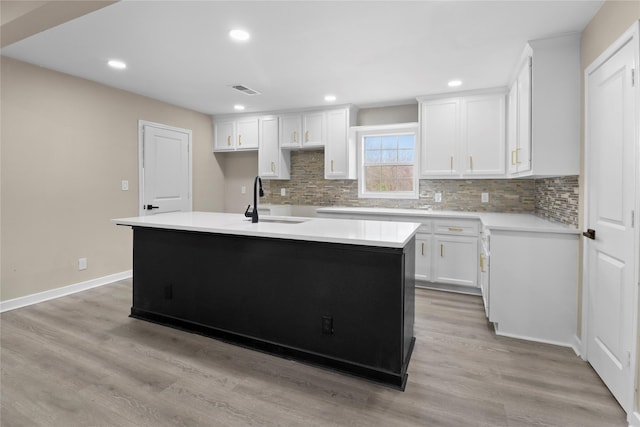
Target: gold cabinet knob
x=306, y=136
x=229, y=140
x=295, y=136
x=239, y=139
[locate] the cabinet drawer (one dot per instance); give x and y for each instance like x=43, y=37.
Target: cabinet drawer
x=463, y=227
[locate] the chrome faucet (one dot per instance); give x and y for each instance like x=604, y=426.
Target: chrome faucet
x=253, y=214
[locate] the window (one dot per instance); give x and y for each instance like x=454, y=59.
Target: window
x=387, y=161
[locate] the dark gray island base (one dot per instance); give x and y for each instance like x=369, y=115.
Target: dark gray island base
x=346, y=307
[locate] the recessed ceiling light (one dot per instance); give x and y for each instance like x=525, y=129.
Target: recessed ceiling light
x=117, y=64
x=330, y=98
x=238, y=107
x=239, y=35
x=455, y=83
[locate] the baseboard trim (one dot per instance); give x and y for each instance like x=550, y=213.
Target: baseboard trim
x=577, y=346
x=26, y=300
x=527, y=338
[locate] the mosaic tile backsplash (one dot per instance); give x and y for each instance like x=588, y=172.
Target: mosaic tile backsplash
x=554, y=199
x=557, y=199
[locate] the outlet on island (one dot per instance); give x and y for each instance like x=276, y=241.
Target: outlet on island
x=327, y=325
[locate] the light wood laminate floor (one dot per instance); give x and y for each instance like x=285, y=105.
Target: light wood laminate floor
x=81, y=361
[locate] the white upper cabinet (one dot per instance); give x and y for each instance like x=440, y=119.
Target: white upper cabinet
x=302, y=131
x=247, y=130
x=544, y=109
x=483, y=135
x=440, y=135
x=290, y=130
x=313, y=130
x=234, y=135
x=463, y=136
x=519, y=121
x=224, y=136
x=340, y=148
x=273, y=163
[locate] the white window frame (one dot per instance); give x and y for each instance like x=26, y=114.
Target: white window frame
x=360, y=132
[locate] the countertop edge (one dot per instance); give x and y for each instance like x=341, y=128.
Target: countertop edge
x=274, y=234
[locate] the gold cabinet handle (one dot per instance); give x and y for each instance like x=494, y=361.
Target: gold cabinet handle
x=306, y=136
x=451, y=166
x=517, y=156
x=295, y=136
x=239, y=139
x=513, y=161
x=422, y=248
x=441, y=250
x=458, y=229
x=273, y=167
x=482, y=263
x=331, y=165
x=229, y=140
x=470, y=162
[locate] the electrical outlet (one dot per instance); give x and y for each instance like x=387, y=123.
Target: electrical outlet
x=243, y=189
x=283, y=192
x=82, y=263
x=327, y=325
x=437, y=197
x=125, y=185
x=484, y=198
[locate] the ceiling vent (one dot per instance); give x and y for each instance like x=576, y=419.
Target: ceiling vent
x=245, y=90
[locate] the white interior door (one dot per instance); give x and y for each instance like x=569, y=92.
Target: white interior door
x=610, y=261
x=165, y=169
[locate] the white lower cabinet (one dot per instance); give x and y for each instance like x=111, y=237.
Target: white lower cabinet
x=455, y=260
x=533, y=282
x=423, y=257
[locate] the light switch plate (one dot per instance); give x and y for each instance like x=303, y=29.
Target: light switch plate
x=485, y=198
x=437, y=197
x=125, y=185
x=243, y=189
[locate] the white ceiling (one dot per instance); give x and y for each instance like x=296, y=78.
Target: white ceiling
x=365, y=52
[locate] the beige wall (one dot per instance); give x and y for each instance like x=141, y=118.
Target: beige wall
x=239, y=169
x=66, y=145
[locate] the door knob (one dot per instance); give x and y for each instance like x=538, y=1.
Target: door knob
x=590, y=234
x=149, y=207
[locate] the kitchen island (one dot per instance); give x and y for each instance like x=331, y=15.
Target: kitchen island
x=333, y=293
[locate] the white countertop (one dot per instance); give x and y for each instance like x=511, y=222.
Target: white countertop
x=352, y=232
x=490, y=220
